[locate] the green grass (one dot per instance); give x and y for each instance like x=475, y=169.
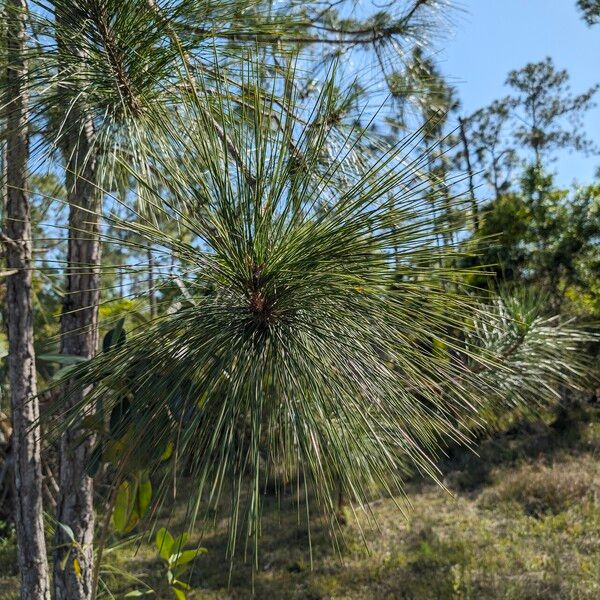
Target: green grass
x=523, y=522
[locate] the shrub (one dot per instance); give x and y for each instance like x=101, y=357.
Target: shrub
x=539, y=489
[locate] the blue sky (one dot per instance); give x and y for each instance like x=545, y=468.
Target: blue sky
x=491, y=37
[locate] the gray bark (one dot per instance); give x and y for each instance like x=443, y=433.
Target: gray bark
x=33, y=564
x=79, y=336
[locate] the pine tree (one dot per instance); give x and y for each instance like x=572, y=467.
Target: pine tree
x=26, y=442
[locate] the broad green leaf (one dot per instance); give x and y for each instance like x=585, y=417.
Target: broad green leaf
x=3, y=346
x=164, y=543
x=113, y=451
x=63, y=561
x=68, y=531
x=93, y=423
x=62, y=359
x=115, y=337
x=132, y=509
x=179, y=594
x=63, y=372
x=134, y=518
x=121, y=511
x=180, y=542
x=144, y=494
x=167, y=452
x=118, y=418
x=182, y=558
x=182, y=585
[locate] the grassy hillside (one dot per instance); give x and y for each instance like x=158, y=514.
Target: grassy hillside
x=523, y=522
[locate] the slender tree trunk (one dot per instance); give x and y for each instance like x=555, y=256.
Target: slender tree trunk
x=465, y=143
x=433, y=200
x=79, y=337
x=495, y=177
x=33, y=564
x=151, y=290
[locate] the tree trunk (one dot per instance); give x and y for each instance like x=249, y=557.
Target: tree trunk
x=33, y=564
x=151, y=290
x=79, y=337
x=465, y=143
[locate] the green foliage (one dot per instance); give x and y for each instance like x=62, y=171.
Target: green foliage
x=326, y=336
x=535, y=354
x=176, y=561
x=8, y=556
x=115, y=337
x=590, y=10
x=132, y=501
x=543, y=237
x=492, y=152
x=543, y=102
x=70, y=550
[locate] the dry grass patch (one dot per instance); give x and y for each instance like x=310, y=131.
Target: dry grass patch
x=540, y=489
